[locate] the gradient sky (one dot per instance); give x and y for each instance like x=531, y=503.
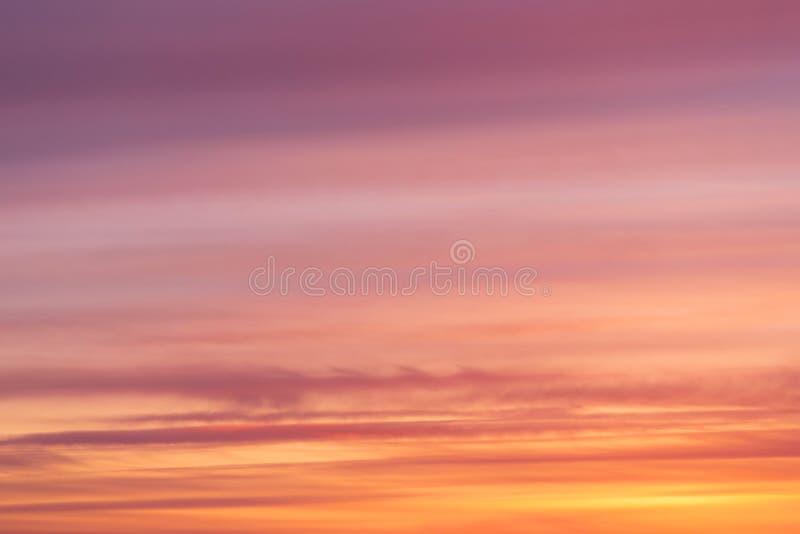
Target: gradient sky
x=642, y=156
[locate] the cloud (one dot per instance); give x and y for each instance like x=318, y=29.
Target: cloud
x=284, y=387
x=30, y=458
x=187, y=503
x=249, y=42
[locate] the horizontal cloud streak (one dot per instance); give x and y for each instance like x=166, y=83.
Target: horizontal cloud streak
x=186, y=503
x=282, y=386
x=709, y=445
x=326, y=44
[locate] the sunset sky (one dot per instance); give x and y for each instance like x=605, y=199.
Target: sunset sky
x=642, y=156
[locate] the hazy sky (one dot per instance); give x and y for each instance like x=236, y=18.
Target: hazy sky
x=640, y=156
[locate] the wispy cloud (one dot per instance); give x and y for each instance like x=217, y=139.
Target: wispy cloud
x=281, y=386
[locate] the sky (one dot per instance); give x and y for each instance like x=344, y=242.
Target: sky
x=159, y=159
